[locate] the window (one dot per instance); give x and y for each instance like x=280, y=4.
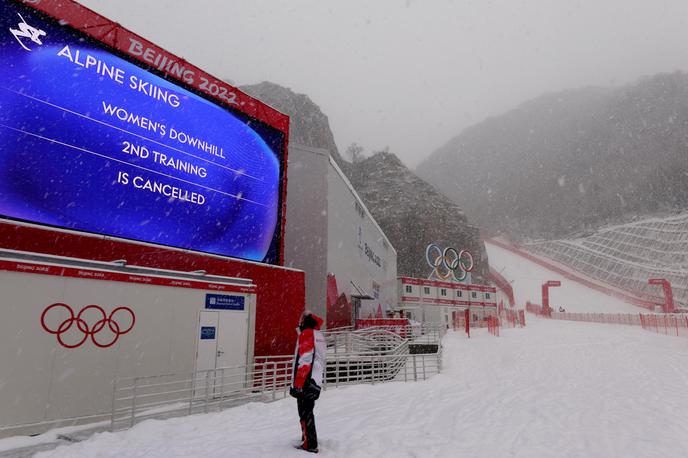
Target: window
x=426, y=290
x=409, y=289
x=459, y=293
x=474, y=295
x=487, y=295
x=443, y=292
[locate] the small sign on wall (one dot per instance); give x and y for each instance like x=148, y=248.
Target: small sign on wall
x=224, y=302
x=207, y=332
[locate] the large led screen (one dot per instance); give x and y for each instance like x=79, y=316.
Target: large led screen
x=92, y=142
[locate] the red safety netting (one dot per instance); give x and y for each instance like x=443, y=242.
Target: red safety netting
x=513, y=318
x=672, y=325
x=493, y=325
x=666, y=324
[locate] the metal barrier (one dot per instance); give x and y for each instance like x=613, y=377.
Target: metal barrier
x=371, y=355
x=169, y=395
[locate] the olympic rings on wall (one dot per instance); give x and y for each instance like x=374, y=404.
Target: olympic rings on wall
x=445, y=263
x=89, y=322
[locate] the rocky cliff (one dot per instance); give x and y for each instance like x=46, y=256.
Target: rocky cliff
x=410, y=211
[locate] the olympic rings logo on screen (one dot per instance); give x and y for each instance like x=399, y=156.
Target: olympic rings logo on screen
x=447, y=263
x=92, y=321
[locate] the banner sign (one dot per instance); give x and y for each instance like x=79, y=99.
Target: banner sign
x=95, y=142
x=224, y=302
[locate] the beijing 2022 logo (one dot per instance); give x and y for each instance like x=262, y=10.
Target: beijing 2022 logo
x=445, y=263
x=24, y=30
x=91, y=321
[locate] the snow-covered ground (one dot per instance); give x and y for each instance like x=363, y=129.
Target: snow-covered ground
x=528, y=278
x=552, y=389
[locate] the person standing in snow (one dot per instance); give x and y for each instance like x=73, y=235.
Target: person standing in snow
x=309, y=365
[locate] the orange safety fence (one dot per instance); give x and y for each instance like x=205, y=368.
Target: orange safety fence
x=508, y=318
x=513, y=318
x=668, y=324
x=609, y=318
x=493, y=325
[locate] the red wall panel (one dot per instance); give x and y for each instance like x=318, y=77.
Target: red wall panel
x=280, y=295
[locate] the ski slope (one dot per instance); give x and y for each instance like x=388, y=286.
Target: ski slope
x=528, y=278
x=552, y=389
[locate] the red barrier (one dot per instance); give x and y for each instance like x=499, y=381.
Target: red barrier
x=534, y=308
x=467, y=324
x=672, y=325
x=493, y=325
x=607, y=318
x=513, y=318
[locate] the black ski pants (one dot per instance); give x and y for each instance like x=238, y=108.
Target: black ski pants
x=310, y=437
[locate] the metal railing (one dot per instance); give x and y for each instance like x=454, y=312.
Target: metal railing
x=362, y=341
x=353, y=357
x=168, y=395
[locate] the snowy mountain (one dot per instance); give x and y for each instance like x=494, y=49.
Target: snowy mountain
x=410, y=211
x=572, y=160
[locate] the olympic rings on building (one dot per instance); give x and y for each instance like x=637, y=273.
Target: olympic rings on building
x=81, y=320
x=445, y=263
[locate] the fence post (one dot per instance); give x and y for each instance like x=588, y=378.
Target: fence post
x=133, y=402
x=194, y=376
x=336, y=371
x=112, y=418
x=415, y=369
x=222, y=388
x=263, y=376
x=207, y=390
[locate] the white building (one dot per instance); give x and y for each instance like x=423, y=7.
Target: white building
x=435, y=301
x=350, y=265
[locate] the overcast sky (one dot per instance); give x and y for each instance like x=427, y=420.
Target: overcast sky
x=411, y=74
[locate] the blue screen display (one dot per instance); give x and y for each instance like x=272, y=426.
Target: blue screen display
x=90, y=141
